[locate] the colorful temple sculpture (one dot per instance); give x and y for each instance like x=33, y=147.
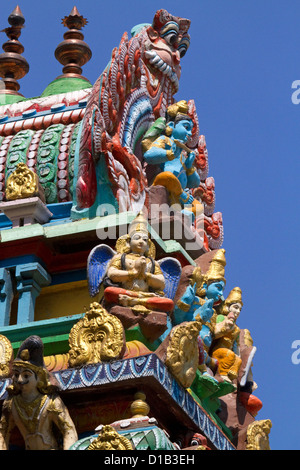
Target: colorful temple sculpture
x=116, y=330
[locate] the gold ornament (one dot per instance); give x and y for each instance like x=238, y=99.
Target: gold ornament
x=6, y=356
x=182, y=354
x=248, y=338
x=29, y=412
x=139, y=407
x=258, y=435
x=110, y=439
x=139, y=224
x=197, y=278
x=97, y=337
x=22, y=183
x=234, y=296
x=181, y=107
x=216, y=271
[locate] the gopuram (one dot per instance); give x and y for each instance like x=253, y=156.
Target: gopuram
x=117, y=328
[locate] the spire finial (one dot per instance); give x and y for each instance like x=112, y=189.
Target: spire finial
x=73, y=52
x=13, y=66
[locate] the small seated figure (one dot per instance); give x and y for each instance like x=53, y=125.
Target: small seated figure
x=199, y=299
x=34, y=406
x=134, y=279
x=225, y=347
x=176, y=160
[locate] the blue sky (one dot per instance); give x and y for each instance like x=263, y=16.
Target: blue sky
x=244, y=57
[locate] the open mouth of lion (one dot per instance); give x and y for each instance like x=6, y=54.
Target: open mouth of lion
x=157, y=64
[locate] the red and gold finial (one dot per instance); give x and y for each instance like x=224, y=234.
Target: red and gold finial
x=13, y=65
x=73, y=52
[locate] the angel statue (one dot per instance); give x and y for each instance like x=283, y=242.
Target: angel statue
x=130, y=276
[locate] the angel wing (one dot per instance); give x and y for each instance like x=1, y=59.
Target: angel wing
x=97, y=263
x=171, y=269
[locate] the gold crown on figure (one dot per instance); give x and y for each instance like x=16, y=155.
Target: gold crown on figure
x=180, y=108
x=234, y=296
x=139, y=224
x=216, y=271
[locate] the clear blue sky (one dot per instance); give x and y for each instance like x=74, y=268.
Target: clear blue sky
x=244, y=57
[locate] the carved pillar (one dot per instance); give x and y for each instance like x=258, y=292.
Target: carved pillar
x=6, y=296
x=30, y=278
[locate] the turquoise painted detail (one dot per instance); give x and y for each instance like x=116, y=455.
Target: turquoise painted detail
x=6, y=296
x=30, y=279
x=144, y=438
x=54, y=333
x=5, y=223
x=213, y=293
x=138, y=28
x=19, y=260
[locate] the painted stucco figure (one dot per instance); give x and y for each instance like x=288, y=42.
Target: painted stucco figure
x=225, y=347
x=193, y=302
x=177, y=161
x=130, y=276
x=136, y=88
x=34, y=406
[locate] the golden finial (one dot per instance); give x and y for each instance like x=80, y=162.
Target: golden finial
x=139, y=407
x=216, y=271
x=13, y=66
x=73, y=52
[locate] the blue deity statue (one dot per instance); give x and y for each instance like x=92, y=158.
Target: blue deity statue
x=174, y=157
x=201, y=297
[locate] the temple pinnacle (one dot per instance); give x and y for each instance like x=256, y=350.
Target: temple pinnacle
x=13, y=66
x=73, y=52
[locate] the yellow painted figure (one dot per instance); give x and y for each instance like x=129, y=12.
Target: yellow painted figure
x=225, y=348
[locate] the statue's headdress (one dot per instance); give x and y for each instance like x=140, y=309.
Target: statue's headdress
x=31, y=354
x=178, y=111
x=139, y=224
x=234, y=296
x=216, y=271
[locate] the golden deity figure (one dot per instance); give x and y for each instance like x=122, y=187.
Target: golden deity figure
x=134, y=279
x=33, y=404
x=225, y=347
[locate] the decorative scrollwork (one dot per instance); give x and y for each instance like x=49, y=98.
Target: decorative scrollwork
x=97, y=337
x=258, y=435
x=182, y=354
x=110, y=439
x=6, y=356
